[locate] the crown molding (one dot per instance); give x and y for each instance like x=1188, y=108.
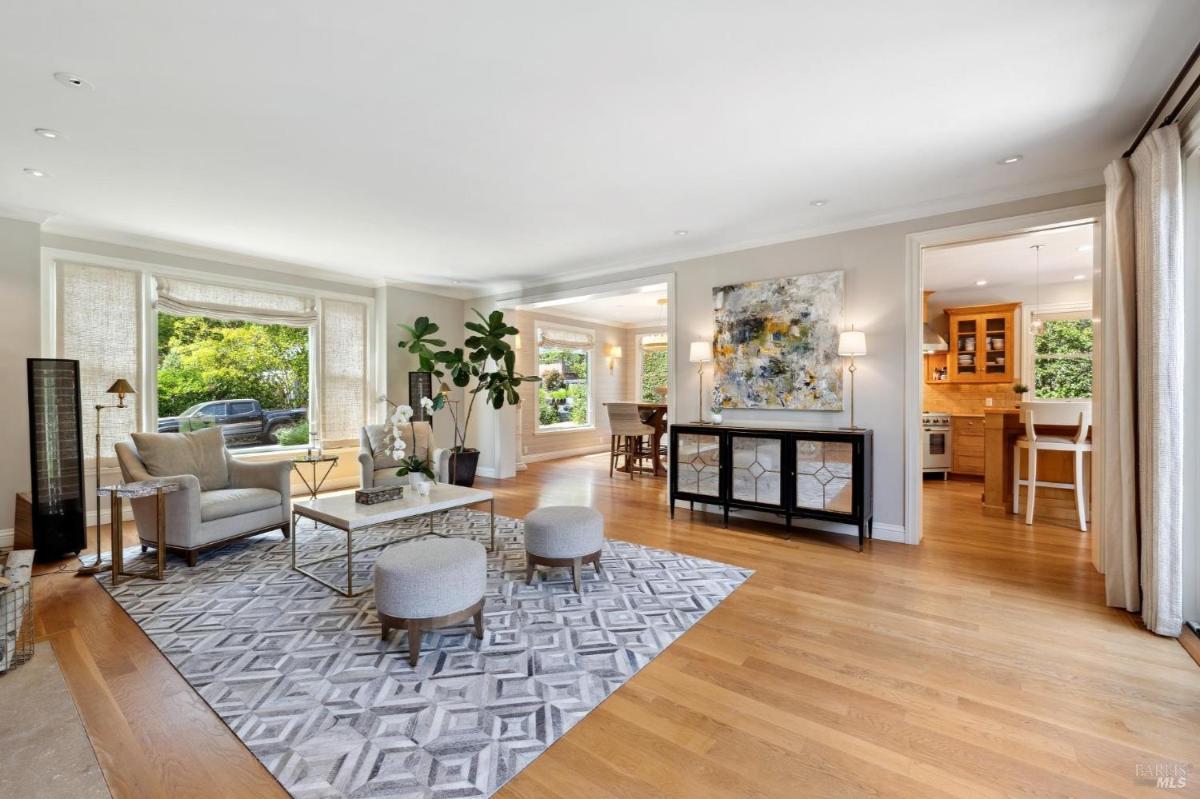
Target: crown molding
x=200, y=252
x=930, y=208
x=22, y=214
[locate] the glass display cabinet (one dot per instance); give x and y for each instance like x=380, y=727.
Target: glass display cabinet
x=794, y=472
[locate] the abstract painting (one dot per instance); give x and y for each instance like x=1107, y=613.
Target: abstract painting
x=775, y=344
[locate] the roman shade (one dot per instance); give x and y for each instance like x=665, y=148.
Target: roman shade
x=99, y=324
x=343, y=369
x=565, y=337
x=191, y=298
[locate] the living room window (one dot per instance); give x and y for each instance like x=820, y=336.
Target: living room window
x=249, y=379
x=270, y=368
x=1062, y=356
x=564, y=364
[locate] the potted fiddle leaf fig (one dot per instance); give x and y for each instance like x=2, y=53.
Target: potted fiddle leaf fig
x=484, y=365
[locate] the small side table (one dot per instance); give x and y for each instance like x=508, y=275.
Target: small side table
x=318, y=479
x=145, y=488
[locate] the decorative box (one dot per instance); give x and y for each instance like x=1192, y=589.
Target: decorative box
x=373, y=496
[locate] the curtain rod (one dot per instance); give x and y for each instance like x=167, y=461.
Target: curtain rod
x=1187, y=67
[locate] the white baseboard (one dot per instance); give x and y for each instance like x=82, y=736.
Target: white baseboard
x=882, y=530
x=565, y=453
x=485, y=471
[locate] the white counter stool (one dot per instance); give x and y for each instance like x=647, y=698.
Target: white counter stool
x=563, y=535
x=435, y=582
x=1052, y=412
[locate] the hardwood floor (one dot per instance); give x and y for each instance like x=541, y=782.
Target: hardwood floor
x=982, y=663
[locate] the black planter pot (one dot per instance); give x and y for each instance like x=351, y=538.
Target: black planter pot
x=462, y=467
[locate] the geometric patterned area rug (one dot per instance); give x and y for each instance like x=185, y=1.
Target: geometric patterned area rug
x=300, y=675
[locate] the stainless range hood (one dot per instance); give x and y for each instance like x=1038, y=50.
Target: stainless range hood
x=932, y=342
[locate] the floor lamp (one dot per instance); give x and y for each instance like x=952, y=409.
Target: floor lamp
x=121, y=388
x=700, y=354
x=851, y=343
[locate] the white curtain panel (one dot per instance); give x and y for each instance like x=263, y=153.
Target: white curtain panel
x=189, y=298
x=1157, y=167
x=1115, y=400
x=99, y=325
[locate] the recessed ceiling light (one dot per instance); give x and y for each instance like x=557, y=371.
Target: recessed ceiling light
x=35, y=173
x=819, y=203
x=1080, y=277
x=72, y=81
x=1084, y=248
x=1012, y=159
x=980, y=282
x=681, y=232
x=46, y=133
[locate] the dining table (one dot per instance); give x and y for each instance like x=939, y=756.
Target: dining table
x=655, y=415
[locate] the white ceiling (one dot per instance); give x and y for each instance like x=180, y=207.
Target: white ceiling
x=512, y=143
x=1066, y=254
x=632, y=309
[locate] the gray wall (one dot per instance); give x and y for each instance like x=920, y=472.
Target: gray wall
x=400, y=305
x=875, y=301
x=20, y=338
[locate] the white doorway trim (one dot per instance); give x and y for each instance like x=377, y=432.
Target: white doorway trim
x=914, y=374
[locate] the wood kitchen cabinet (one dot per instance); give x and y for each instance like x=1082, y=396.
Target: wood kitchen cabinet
x=966, y=440
x=983, y=343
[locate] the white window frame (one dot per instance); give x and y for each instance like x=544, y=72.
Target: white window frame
x=1028, y=313
x=538, y=429
x=148, y=357
x=640, y=357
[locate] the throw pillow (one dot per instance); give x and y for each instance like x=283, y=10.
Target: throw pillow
x=201, y=453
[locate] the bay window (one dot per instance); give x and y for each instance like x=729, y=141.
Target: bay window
x=271, y=368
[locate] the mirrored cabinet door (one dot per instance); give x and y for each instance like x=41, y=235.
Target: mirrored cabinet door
x=697, y=464
x=825, y=476
x=757, y=469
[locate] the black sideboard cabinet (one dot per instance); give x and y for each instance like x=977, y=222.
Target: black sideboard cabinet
x=791, y=471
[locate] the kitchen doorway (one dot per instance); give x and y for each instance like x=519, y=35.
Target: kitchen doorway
x=971, y=351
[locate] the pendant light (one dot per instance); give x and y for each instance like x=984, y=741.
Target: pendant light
x=1036, y=325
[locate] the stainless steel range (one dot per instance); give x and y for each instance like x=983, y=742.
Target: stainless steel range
x=935, y=443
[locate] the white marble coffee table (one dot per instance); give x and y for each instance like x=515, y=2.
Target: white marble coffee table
x=342, y=513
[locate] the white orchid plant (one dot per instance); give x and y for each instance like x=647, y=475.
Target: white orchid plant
x=394, y=442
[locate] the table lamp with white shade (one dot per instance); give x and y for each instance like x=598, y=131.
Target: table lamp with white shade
x=701, y=353
x=852, y=343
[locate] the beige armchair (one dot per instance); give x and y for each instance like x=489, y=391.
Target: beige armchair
x=223, y=498
x=376, y=466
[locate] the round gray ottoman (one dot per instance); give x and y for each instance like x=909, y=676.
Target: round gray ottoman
x=430, y=583
x=563, y=535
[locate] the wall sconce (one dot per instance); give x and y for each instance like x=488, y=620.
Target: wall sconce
x=614, y=352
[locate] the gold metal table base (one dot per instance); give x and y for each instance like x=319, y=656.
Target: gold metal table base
x=117, y=544
x=314, y=487
x=349, y=591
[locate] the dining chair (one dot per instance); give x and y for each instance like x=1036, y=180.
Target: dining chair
x=1065, y=414
x=629, y=436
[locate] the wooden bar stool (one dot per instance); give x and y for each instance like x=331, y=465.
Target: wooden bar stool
x=1048, y=412
x=630, y=437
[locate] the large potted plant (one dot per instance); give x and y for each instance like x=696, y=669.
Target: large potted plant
x=486, y=364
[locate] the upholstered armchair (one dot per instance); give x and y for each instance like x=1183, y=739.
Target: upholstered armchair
x=376, y=465
x=223, y=498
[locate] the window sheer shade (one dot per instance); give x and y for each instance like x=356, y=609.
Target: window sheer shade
x=99, y=325
x=188, y=298
x=343, y=371
x=565, y=338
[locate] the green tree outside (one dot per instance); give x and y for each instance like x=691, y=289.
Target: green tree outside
x=654, y=374
x=202, y=359
x=1062, y=360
